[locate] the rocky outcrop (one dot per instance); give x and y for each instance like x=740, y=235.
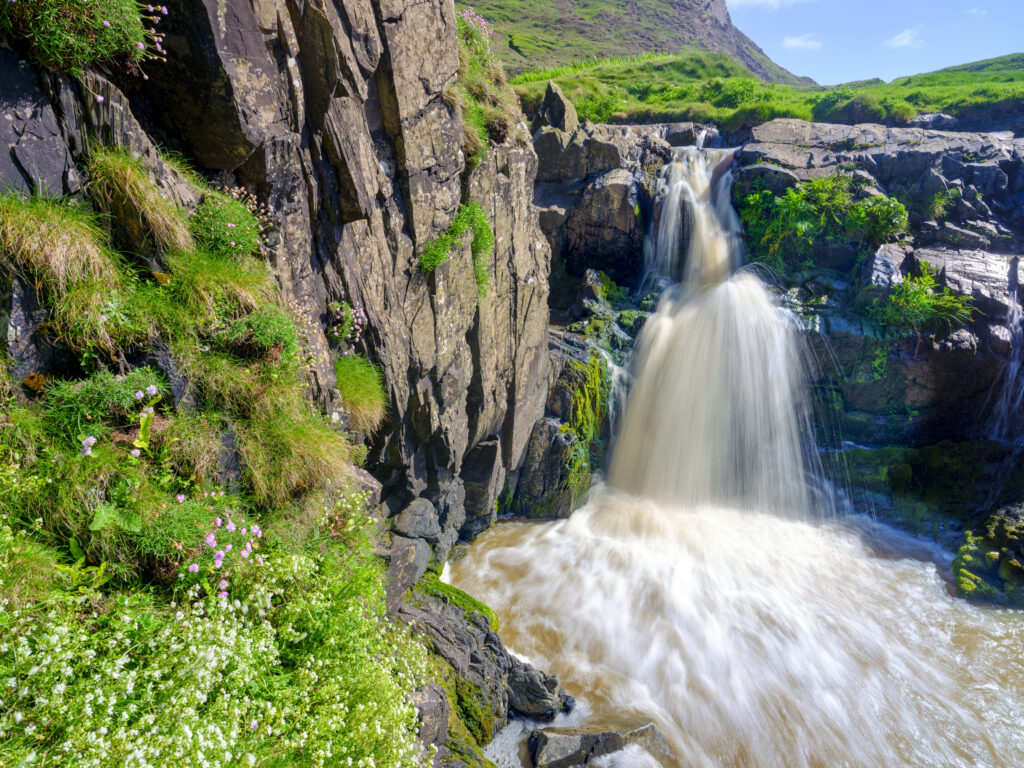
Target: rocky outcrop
x=965, y=196
x=593, y=181
x=333, y=114
x=567, y=747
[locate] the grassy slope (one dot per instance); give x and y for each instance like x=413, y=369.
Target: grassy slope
x=545, y=33
x=711, y=87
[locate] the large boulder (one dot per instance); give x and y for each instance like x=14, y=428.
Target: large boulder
x=557, y=111
x=603, y=231
x=568, y=747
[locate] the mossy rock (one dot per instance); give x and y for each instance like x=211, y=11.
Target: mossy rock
x=463, y=742
x=432, y=586
x=974, y=573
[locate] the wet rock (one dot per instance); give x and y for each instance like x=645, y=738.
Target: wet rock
x=484, y=476
x=567, y=747
x=771, y=177
x=535, y=694
x=603, y=231
x=418, y=521
x=488, y=680
x=884, y=268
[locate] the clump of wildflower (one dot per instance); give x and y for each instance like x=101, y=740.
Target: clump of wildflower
x=348, y=322
x=87, y=445
x=478, y=27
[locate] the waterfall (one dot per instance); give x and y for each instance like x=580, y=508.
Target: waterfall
x=699, y=591
x=717, y=413
x=1007, y=415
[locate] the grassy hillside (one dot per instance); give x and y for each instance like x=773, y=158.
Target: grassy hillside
x=709, y=87
x=546, y=33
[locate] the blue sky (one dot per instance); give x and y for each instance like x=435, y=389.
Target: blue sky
x=837, y=41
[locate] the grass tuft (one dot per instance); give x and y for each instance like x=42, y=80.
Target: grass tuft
x=122, y=186
x=361, y=384
x=53, y=244
x=224, y=226
x=291, y=451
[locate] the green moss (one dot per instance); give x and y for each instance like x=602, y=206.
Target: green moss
x=461, y=741
x=972, y=572
x=432, y=586
x=470, y=217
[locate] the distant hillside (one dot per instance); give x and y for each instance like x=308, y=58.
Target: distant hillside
x=532, y=34
x=712, y=87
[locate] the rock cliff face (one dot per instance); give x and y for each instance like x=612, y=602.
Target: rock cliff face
x=334, y=114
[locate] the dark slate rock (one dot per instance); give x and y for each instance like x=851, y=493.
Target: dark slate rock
x=418, y=521
x=33, y=155
x=568, y=747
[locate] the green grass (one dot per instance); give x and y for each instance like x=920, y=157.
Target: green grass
x=470, y=218
x=707, y=87
x=532, y=35
x=120, y=184
x=361, y=385
x=72, y=35
x=489, y=106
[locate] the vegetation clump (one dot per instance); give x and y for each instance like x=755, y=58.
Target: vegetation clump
x=470, y=218
x=361, y=385
x=490, y=108
x=120, y=184
x=228, y=224
x=71, y=35
x=917, y=305
x=782, y=231
x=180, y=575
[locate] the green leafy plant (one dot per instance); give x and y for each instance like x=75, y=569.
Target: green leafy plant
x=76, y=410
x=918, y=305
x=470, y=217
x=782, y=231
x=266, y=332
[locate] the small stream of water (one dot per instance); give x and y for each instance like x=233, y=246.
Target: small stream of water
x=710, y=590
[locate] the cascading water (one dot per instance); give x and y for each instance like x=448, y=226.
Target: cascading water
x=700, y=592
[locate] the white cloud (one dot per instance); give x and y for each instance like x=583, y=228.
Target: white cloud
x=768, y=3
x=906, y=39
x=977, y=11
x=802, y=43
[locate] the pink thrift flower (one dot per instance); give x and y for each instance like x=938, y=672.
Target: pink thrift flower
x=242, y=531
x=227, y=547
x=218, y=521
x=245, y=553
x=193, y=568
x=223, y=584
x=217, y=563
x=231, y=526
x=218, y=555
x=181, y=498
x=222, y=594
x=211, y=541
x=99, y=99
x=135, y=452
x=106, y=23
